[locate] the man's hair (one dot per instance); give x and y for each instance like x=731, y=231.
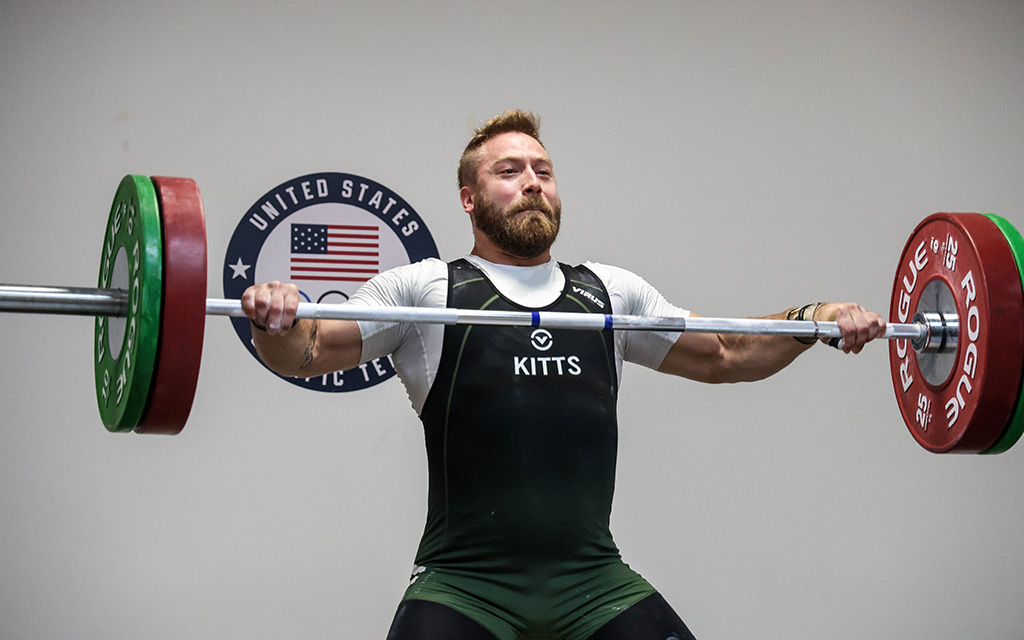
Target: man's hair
x=512, y=120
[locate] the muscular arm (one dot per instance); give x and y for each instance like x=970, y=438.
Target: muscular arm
x=306, y=348
x=740, y=358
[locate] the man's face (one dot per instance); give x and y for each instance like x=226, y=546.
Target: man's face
x=514, y=201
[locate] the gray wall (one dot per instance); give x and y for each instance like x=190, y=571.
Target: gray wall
x=744, y=157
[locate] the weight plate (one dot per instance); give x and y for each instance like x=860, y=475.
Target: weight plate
x=183, y=312
x=1016, y=426
x=125, y=348
x=970, y=409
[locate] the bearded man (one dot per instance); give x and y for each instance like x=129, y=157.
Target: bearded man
x=520, y=423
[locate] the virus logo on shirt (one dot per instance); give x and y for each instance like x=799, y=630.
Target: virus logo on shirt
x=328, y=233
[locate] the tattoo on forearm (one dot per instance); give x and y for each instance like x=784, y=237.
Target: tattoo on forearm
x=310, y=346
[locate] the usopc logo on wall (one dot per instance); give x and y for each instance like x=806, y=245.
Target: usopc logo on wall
x=328, y=233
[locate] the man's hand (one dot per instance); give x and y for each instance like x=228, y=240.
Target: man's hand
x=859, y=326
x=272, y=306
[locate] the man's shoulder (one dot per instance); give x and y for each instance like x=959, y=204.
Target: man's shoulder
x=406, y=284
x=610, y=273
x=425, y=269
x=622, y=281
x=426, y=264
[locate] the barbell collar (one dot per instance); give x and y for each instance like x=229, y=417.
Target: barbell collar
x=942, y=332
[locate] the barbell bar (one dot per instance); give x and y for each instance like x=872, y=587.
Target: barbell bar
x=956, y=327
x=114, y=303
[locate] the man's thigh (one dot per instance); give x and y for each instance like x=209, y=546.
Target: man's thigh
x=425, y=620
x=650, y=619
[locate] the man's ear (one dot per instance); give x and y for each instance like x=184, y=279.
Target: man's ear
x=467, y=197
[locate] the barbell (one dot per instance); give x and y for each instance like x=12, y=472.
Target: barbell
x=956, y=327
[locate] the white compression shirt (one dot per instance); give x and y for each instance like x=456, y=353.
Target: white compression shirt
x=415, y=349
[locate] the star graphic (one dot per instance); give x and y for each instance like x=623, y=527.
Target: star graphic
x=239, y=269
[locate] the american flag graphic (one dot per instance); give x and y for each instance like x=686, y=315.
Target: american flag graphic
x=335, y=252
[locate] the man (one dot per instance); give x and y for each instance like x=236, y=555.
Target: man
x=520, y=423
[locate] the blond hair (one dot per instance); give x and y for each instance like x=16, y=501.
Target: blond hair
x=513, y=120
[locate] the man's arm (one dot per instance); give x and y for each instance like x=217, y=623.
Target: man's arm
x=739, y=358
x=304, y=348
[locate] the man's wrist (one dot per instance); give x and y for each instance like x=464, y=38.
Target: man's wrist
x=804, y=313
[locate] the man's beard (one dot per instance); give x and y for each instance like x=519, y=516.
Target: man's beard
x=523, y=236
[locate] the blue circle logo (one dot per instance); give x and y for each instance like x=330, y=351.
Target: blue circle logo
x=328, y=233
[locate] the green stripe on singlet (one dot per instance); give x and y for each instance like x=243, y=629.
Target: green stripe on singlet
x=448, y=404
x=609, y=358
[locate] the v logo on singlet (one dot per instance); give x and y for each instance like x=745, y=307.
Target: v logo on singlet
x=541, y=339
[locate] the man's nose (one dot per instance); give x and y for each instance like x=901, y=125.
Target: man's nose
x=531, y=181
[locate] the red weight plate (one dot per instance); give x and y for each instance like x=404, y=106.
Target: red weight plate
x=967, y=410
x=183, y=317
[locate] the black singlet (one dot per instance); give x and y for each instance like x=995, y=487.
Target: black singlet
x=521, y=436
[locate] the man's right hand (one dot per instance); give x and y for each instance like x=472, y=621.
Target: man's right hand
x=272, y=306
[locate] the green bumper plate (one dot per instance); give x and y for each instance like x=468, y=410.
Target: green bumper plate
x=1015, y=427
x=126, y=348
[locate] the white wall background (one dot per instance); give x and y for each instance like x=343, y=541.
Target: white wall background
x=744, y=157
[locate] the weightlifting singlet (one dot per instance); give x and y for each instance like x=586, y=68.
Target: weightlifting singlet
x=521, y=438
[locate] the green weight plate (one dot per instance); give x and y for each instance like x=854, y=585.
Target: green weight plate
x=126, y=348
x=1015, y=427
